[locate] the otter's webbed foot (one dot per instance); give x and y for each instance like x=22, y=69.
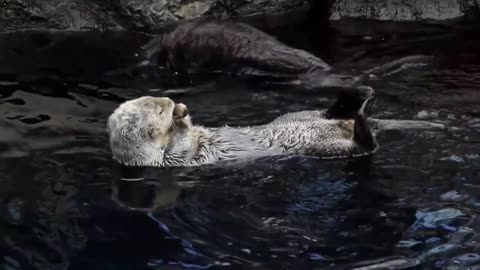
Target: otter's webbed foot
x=362, y=135
x=349, y=103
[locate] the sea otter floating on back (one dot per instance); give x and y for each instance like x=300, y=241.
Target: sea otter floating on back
x=243, y=51
x=154, y=131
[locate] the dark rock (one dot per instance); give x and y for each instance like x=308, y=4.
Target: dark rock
x=404, y=10
x=54, y=14
x=151, y=15
x=148, y=15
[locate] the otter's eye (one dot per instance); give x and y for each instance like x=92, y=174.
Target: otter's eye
x=160, y=111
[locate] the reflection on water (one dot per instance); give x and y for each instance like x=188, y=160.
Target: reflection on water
x=413, y=205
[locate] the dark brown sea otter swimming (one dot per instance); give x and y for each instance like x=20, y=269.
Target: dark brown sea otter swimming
x=243, y=51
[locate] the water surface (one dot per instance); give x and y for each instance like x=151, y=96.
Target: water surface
x=413, y=205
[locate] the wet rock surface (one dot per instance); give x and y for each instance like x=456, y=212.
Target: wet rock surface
x=53, y=14
x=152, y=15
x=130, y=14
x=404, y=10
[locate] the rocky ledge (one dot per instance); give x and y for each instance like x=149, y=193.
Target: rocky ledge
x=150, y=15
x=146, y=15
x=405, y=10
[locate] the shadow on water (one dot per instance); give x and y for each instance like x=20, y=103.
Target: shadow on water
x=413, y=205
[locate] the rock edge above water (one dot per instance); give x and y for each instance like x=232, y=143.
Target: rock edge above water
x=150, y=15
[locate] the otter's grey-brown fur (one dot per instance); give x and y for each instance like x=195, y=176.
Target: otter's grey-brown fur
x=152, y=131
x=243, y=51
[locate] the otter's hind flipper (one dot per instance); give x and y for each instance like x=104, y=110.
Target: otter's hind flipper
x=362, y=135
x=348, y=104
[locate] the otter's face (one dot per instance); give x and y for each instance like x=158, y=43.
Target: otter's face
x=141, y=129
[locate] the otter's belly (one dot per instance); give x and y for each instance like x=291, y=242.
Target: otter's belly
x=326, y=138
x=295, y=134
x=249, y=142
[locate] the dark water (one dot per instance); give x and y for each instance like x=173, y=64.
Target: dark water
x=411, y=206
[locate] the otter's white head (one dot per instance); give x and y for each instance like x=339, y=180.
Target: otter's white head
x=140, y=130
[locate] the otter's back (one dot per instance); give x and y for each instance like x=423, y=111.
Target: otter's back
x=234, y=47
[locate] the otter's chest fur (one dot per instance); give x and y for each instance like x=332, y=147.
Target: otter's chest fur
x=301, y=133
